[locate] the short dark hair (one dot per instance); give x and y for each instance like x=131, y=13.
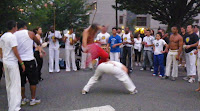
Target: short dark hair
x=119, y=28
x=11, y=24
x=21, y=24
x=195, y=26
x=159, y=33
x=149, y=30
x=183, y=27
x=176, y=26
x=136, y=35
x=114, y=28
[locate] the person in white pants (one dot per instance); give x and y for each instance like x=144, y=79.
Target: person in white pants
x=198, y=64
x=175, y=49
x=54, y=37
x=70, y=39
x=83, y=60
x=114, y=42
x=112, y=68
x=8, y=45
x=190, y=44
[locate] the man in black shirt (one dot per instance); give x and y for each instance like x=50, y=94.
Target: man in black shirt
x=190, y=44
x=183, y=34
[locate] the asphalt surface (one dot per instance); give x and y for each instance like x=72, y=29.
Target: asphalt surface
x=62, y=92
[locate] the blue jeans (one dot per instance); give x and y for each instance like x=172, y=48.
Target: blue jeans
x=159, y=62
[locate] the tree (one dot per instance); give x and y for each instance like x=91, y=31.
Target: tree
x=169, y=12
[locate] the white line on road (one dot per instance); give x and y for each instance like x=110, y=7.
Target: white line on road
x=101, y=108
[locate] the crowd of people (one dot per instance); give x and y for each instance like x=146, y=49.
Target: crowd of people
x=22, y=55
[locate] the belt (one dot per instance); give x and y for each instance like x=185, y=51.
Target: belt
x=173, y=50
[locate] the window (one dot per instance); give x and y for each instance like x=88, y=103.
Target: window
x=121, y=19
x=141, y=21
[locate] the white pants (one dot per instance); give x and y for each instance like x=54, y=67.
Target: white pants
x=171, y=58
x=13, y=86
x=108, y=68
x=70, y=58
x=114, y=56
x=190, y=63
x=83, y=60
x=54, y=56
x=198, y=68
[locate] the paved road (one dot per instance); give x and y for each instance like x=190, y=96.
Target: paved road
x=61, y=92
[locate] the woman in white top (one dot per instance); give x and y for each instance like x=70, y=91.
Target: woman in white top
x=137, y=48
x=38, y=55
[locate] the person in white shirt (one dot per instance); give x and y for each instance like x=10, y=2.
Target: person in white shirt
x=148, y=50
x=196, y=30
x=198, y=64
x=137, y=48
x=8, y=46
x=114, y=68
x=127, y=49
x=54, y=37
x=158, y=45
x=25, y=40
x=70, y=40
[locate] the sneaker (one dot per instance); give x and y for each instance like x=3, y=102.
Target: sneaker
x=160, y=76
x=191, y=80
x=153, y=74
x=166, y=77
x=35, y=102
x=139, y=64
x=24, y=101
x=179, y=65
x=84, y=92
x=151, y=70
x=136, y=64
x=186, y=78
x=142, y=69
x=134, y=92
x=173, y=79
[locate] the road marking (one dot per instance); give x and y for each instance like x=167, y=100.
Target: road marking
x=101, y=108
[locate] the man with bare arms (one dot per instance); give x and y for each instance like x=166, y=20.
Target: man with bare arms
x=175, y=48
x=92, y=48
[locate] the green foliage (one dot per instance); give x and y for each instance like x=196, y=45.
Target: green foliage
x=169, y=12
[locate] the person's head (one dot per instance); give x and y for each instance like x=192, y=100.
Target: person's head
x=127, y=30
x=196, y=28
x=93, y=29
x=148, y=32
x=52, y=28
x=12, y=26
x=71, y=30
x=22, y=24
x=152, y=32
x=183, y=30
x=114, y=30
x=119, y=30
x=158, y=36
x=189, y=29
x=103, y=30
x=162, y=31
x=137, y=35
x=174, y=29
x=38, y=30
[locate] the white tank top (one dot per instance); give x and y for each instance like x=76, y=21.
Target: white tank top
x=127, y=38
x=25, y=45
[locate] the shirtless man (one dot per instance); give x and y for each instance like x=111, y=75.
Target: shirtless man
x=175, y=48
x=89, y=46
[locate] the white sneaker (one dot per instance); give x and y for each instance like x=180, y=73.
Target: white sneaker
x=186, y=78
x=191, y=80
x=35, y=102
x=142, y=69
x=134, y=92
x=139, y=64
x=152, y=70
x=179, y=65
x=24, y=101
x=136, y=64
x=153, y=74
x=83, y=92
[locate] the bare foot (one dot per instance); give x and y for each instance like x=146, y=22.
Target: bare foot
x=197, y=89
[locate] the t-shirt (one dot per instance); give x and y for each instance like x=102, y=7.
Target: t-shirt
x=68, y=40
x=103, y=38
x=159, y=44
x=189, y=40
x=114, y=40
x=149, y=40
x=199, y=50
x=7, y=42
x=138, y=44
x=51, y=36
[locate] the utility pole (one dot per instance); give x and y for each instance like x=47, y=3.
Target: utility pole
x=116, y=13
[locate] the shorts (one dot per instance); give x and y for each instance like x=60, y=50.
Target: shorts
x=30, y=73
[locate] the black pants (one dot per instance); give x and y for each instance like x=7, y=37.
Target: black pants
x=165, y=58
x=1, y=69
x=39, y=61
x=127, y=52
x=137, y=55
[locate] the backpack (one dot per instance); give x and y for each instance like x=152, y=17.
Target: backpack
x=62, y=63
